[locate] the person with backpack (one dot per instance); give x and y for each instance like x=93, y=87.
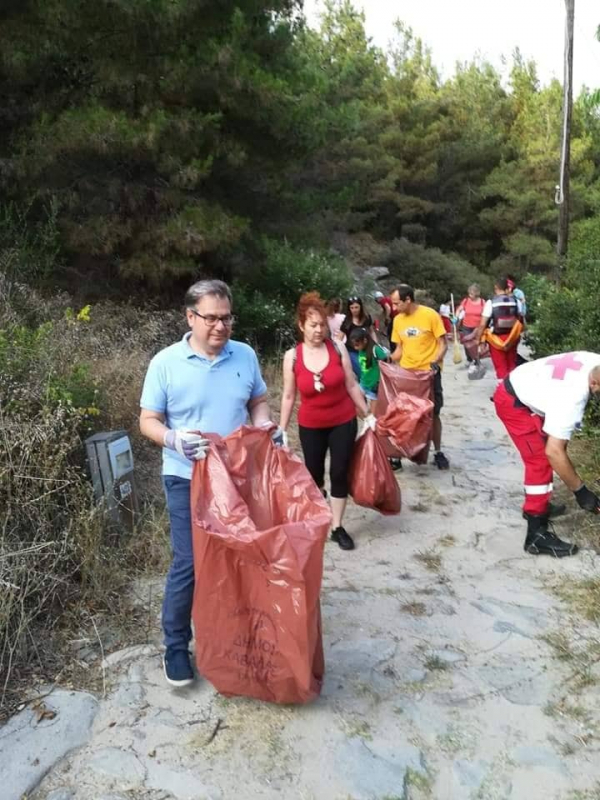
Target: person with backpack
x=468, y=317
x=369, y=354
x=320, y=371
x=518, y=293
x=501, y=326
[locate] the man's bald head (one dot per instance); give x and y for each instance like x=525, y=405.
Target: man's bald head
x=594, y=379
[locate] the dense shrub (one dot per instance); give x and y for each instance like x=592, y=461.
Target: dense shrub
x=266, y=296
x=430, y=269
x=567, y=316
x=61, y=378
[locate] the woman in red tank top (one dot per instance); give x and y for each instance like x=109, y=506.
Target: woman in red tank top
x=321, y=373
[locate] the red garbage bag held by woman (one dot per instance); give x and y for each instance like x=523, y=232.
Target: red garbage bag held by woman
x=372, y=480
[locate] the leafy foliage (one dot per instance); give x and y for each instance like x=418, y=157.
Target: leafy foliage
x=567, y=317
x=146, y=143
x=265, y=298
x=433, y=271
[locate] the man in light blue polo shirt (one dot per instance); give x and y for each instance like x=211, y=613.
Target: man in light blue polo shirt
x=208, y=383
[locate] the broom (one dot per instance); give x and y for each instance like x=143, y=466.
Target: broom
x=456, y=355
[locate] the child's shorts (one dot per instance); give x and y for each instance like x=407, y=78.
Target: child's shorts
x=369, y=393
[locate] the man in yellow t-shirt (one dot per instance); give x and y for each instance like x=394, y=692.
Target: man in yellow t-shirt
x=420, y=338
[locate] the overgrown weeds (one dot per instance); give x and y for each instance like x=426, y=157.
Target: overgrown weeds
x=65, y=374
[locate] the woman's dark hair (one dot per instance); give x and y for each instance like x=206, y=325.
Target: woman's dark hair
x=502, y=283
x=360, y=334
x=350, y=302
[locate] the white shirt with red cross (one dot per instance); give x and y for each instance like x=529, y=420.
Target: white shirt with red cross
x=557, y=388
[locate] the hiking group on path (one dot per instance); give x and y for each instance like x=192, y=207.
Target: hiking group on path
x=209, y=384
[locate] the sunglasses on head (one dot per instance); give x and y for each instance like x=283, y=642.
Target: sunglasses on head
x=354, y=299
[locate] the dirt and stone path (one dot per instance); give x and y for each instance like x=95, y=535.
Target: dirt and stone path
x=443, y=677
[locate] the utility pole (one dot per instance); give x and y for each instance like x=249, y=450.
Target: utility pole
x=563, y=190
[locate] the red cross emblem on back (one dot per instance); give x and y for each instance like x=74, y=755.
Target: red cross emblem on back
x=563, y=363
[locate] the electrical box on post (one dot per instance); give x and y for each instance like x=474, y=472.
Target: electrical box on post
x=110, y=460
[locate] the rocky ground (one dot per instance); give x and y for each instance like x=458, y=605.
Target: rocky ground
x=454, y=671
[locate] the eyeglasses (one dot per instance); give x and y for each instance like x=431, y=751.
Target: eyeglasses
x=210, y=320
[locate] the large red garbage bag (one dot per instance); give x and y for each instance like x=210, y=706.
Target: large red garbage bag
x=407, y=423
x=372, y=480
x=417, y=383
x=259, y=526
x=469, y=340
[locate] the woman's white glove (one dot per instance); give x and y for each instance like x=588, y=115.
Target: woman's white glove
x=367, y=422
x=192, y=446
x=370, y=421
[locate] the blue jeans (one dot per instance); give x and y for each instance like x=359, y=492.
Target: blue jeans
x=179, y=589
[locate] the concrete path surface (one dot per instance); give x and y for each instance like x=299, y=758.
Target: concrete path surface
x=445, y=673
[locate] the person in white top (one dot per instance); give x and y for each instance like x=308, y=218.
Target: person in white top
x=335, y=319
x=541, y=403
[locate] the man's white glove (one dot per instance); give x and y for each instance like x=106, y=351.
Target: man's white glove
x=278, y=437
x=192, y=446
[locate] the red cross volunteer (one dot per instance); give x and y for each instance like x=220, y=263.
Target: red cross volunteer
x=541, y=404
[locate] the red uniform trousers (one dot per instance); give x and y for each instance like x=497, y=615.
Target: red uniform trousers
x=504, y=361
x=525, y=429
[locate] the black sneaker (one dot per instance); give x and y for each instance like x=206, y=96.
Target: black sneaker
x=177, y=667
x=343, y=538
x=440, y=460
x=395, y=463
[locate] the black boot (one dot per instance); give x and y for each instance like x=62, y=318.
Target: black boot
x=554, y=510
x=541, y=541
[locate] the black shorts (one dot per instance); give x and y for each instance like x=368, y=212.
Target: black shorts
x=438, y=394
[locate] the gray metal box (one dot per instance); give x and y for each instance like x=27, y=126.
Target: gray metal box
x=110, y=460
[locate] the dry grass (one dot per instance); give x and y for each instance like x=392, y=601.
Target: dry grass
x=447, y=541
x=252, y=728
x=582, y=596
x=415, y=609
x=431, y=560
x=61, y=574
x=584, y=528
x=435, y=663
x=586, y=794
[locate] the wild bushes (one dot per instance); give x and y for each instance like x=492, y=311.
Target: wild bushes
x=435, y=272
x=62, y=376
x=266, y=294
x=567, y=317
